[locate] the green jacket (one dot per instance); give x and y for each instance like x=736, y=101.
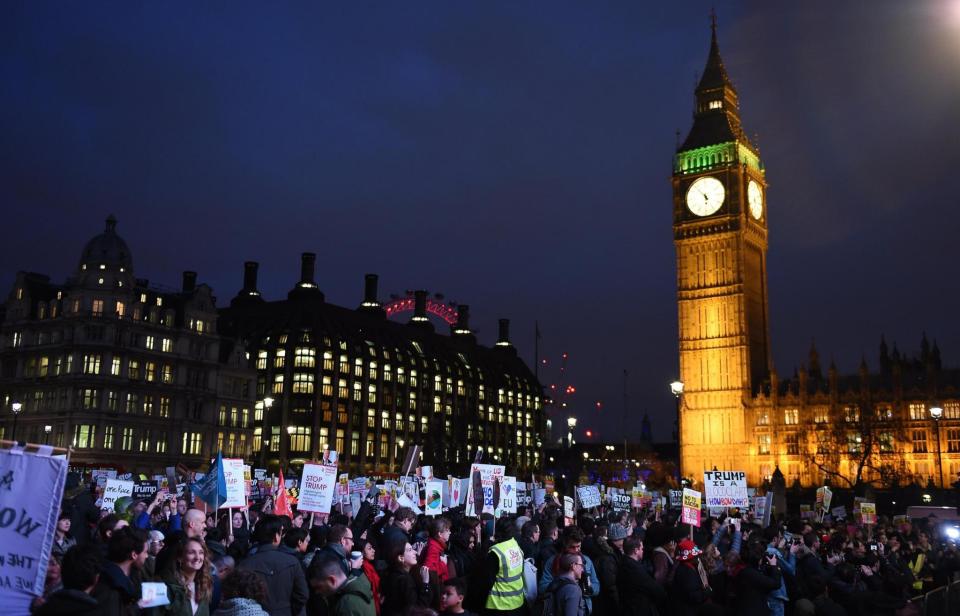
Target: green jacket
x=354, y=598
x=179, y=602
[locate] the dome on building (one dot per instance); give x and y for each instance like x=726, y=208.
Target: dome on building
x=108, y=249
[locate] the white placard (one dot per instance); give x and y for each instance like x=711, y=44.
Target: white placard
x=115, y=489
x=31, y=487
x=433, y=502
x=487, y=474
x=508, y=496
x=236, y=487
x=589, y=496
x=726, y=489
x=316, y=488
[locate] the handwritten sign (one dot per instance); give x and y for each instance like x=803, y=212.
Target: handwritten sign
x=114, y=490
x=824, y=496
x=30, y=490
x=508, y=496
x=316, y=489
x=868, y=512
x=690, y=514
x=726, y=489
x=589, y=496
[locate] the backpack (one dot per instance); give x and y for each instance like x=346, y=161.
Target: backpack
x=550, y=596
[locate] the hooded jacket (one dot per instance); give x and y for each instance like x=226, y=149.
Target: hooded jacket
x=353, y=598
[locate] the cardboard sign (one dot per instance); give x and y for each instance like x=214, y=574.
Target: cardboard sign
x=824, y=496
x=316, y=489
x=676, y=499
x=539, y=496
x=433, y=503
x=508, y=496
x=114, y=490
x=488, y=472
x=153, y=594
x=568, y=507
x=690, y=514
x=868, y=512
x=236, y=485
x=726, y=489
x=524, y=497
x=453, y=491
x=589, y=496
x=31, y=487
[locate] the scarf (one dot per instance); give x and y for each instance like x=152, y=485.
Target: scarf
x=374, y=577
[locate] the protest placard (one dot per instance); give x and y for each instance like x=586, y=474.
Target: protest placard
x=824, y=496
x=236, y=487
x=539, y=496
x=690, y=514
x=115, y=489
x=144, y=489
x=568, y=508
x=620, y=502
x=453, y=491
x=488, y=472
x=806, y=512
x=31, y=487
x=676, y=499
x=433, y=502
x=840, y=512
x=725, y=489
x=524, y=496
x=508, y=496
x=868, y=512
x=589, y=496
x=316, y=489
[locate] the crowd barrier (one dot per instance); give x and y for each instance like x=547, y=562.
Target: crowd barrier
x=943, y=601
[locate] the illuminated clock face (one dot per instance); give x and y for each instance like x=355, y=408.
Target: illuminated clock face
x=705, y=196
x=755, y=199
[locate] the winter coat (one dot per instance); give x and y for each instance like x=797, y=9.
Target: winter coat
x=402, y=591
x=370, y=572
x=567, y=597
x=753, y=585
x=179, y=601
x=639, y=592
x=69, y=603
x=240, y=606
x=605, y=559
x=59, y=549
x=589, y=570
x=430, y=558
x=286, y=582
x=116, y=593
x=687, y=592
x=353, y=598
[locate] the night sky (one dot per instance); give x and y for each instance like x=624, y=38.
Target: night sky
x=512, y=156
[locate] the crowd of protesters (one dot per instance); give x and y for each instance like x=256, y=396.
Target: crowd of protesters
x=398, y=563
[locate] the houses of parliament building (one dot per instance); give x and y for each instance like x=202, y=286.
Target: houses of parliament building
x=890, y=425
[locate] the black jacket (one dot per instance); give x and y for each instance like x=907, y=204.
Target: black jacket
x=753, y=585
x=401, y=592
x=70, y=602
x=640, y=595
x=687, y=592
x=286, y=583
x=116, y=593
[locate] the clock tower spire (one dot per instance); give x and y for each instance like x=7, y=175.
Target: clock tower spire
x=720, y=235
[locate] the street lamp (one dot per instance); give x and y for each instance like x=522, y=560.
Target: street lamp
x=46, y=431
x=676, y=388
x=267, y=403
x=16, y=407
x=936, y=413
x=571, y=424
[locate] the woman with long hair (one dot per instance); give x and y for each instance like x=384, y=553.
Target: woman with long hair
x=369, y=552
x=404, y=589
x=189, y=582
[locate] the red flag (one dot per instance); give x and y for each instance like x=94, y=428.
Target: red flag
x=280, y=504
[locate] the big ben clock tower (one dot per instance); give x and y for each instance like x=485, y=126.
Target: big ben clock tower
x=720, y=233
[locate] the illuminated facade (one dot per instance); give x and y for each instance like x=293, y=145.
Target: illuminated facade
x=736, y=413
x=126, y=373
x=356, y=382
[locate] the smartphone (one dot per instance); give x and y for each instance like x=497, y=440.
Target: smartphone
x=873, y=547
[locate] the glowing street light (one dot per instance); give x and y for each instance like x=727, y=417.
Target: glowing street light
x=16, y=407
x=936, y=413
x=676, y=388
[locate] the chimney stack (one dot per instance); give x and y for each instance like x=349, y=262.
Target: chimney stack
x=462, y=326
x=370, y=291
x=503, y=339
x=419, y=307
x=189, y=282
x=250, y=278
x=307, y=262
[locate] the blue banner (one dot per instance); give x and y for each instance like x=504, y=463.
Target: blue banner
x=212, y=489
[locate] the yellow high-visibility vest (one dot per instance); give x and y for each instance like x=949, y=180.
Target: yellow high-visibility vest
x=507, y=591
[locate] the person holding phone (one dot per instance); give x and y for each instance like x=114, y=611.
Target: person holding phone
x=757, y=579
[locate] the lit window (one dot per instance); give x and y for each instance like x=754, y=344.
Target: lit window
x=918, y=410
x=764, y=444
x=791, y=417
x=164, y=406
x=792, y=442
x=91, y=363
x=305, y=357
x=278, y=384
x=84, y=436
x=107, y=437
x=919, y=441
x=88, y=398
x=167, y=345
x=953, y=440
x=821, y=415
x=299, y=438
x=303, y=383
x=763, y=418
x=951, y=410
x=715, y=105
x=126, y=440
x=279, y=358
x=191, y=443
x=97, y=306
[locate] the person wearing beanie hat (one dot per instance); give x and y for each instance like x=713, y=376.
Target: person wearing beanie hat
x=690, y=579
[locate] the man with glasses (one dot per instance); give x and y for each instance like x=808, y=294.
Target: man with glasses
x=564, y=591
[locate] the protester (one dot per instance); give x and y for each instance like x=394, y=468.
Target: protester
x=118, y=589
x=434, y=556
x=452, y=594
x=404, y=588
x=189, y=581
x=63, y=540
x=346, y=596
x=572, y=541
x=284, y=577
x=244, y=593
x=563, y=595
x=640, y=594
x=80, y=574
x=370, y=571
